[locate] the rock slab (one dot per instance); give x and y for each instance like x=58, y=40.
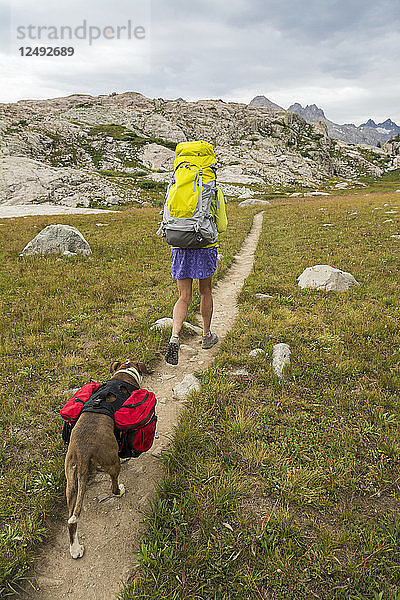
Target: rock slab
x=189, y=384
x=280, y=358
x=324, y=277
x=167, y=322
x=58, y=239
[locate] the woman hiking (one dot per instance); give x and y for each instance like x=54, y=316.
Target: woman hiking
x=193, y=198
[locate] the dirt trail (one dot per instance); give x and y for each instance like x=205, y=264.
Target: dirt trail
x=110, y=528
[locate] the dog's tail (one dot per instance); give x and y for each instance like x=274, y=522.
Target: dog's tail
x=77, y=475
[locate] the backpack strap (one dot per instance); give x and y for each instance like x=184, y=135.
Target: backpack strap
x=216, y=196
x=201, y=189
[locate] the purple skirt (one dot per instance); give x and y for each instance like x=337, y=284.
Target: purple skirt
x=198, y=263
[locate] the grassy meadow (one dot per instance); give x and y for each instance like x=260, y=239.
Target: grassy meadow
x=290, y=490
x=63, y=321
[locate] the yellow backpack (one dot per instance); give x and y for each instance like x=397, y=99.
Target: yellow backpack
x=187, y=221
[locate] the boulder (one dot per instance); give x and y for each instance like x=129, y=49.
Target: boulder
x=280, y=358
x=189, y=384
x=58, y=239
x=324, y=277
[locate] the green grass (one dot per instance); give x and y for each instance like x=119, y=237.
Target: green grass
x=122, y=133
x=63, y=321
x=291, y=489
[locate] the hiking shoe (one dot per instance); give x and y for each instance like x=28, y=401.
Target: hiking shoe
x=171, y=355
x=209, y=340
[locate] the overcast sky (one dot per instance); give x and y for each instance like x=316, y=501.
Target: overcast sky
x=342, y=55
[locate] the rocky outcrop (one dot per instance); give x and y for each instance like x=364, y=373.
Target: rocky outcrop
x=103, y=150
x=392, y=148
x=25, y=180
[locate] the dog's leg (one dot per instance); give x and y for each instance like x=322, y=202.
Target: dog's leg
x=75, y=548
x=117, y=489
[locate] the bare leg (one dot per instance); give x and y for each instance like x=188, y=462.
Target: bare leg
x=182, y=305
x=206, y=303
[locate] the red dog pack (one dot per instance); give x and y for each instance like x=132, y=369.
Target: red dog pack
x=133, y=412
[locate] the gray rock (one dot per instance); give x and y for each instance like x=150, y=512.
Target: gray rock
x=155, y=156
x=316, y=194
x=193, y=328
x=240, y=373
x=58, y=239
x=188, y=350
x=280, y=358
x=253, y=202
x=246, y=195
x=256, y=352
x=189, y=384
x=166, y=322
x=324, y=277
x=163, y=323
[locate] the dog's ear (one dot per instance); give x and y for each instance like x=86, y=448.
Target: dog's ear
x=140, y=366
x=115, y=366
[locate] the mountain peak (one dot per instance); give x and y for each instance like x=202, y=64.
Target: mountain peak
x=369, y=123
x=389, y=127
x=389, y=123
x=264, y=101
x=310, y=113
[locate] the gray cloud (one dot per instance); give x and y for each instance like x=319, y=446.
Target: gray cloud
x=341, y=54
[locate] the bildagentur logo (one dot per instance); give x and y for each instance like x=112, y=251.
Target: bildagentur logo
x=85, y=31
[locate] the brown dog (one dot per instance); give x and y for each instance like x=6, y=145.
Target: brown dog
x=93, y=444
